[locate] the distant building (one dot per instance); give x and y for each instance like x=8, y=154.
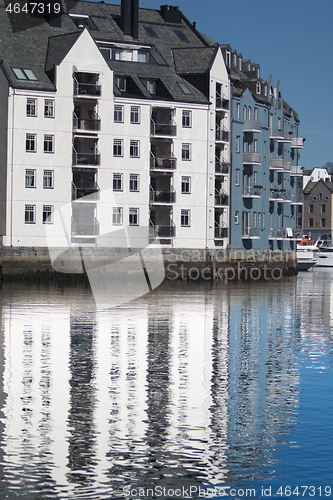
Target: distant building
x=315, y=174
x=266, y=181
x=317, y=210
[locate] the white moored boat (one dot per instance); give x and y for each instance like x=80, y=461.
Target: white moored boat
x=306, y=254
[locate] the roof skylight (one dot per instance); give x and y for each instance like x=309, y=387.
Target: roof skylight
x=181, y=35
x=150, y=32
x=24, y=74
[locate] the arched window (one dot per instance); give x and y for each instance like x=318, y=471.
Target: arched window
x=236, y=217
x=244, y=113
x=249, y=113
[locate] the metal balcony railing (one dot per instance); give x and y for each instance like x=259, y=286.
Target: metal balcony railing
x=276, y=163
x=251, y=232
x=86, y=158
x=221, y=134
x=162, y=231
x=252, y=126
x=163, y=128
x=221, y=230
x=162, y=196
x=277, y=233
x=297, y=142
x=251, y=191
x=93, y=124
x=221, y=166
x=80, y=192
x=89, y=89
x=221, y=197
x=85, y=229
x=296, y=170
x=168, y=162
x=252, y=158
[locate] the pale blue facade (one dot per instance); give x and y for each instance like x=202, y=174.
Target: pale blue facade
x=266, y=180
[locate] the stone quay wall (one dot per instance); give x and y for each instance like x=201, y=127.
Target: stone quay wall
x=34, y=263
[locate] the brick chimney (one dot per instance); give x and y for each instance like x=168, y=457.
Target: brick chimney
x=129, y=22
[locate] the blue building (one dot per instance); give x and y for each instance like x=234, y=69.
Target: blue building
x=265, y=179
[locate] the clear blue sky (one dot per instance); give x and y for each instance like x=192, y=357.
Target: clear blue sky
x=292, y=41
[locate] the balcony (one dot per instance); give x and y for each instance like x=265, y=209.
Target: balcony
x=297, y=142
x=276, y=163
x=169, y=129
x=221, y=134
x=297, y=198
x=86, y=158
x=85, y=229
x=252, y=126
x=296, y=170
x=221, y=166
x=163, y=162
x=222, y=103
x=250, y=233
x=86, y=89
x=252, y=191
x=285, y=136
x=221, y=197
x=162, y=197
x=86, y=124
x=278, y=233
x=287, y=166
x=162, y=231
x=278, y=195
x=81, y=192
x=252, y=158
x=220, y=231
x=277, y=133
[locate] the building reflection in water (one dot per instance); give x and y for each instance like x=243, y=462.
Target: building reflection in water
x=189, y=385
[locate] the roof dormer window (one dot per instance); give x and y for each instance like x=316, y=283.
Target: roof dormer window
x=83, y=21
x=120, y=81
x=258, y=88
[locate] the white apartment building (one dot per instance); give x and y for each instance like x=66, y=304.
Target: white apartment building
x=113, y=135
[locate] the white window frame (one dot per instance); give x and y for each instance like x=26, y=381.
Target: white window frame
x=48, y=175
x=135, y=115
x=236, y=217
x=186, y=118
x=185, y=218
x=186, y=152
x=119, y=144
x=118, y=113
x=31, y=109
x=238, y=111
x=49, y=108
x=30, y=211
x=48, y=209
x=117, y=182
x=30, y=175
x=134, y=149
x=133, y=217
x=31, y=143
x=237, y=143
x=186, y=184
x=255, y=114
x=117, y=216
x=48, y=145
x=237, y=177
x=258, y=88
x=134, y=183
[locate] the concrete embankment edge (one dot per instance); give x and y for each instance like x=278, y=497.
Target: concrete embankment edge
x=34, y=263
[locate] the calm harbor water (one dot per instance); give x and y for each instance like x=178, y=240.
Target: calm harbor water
x=191, y=387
